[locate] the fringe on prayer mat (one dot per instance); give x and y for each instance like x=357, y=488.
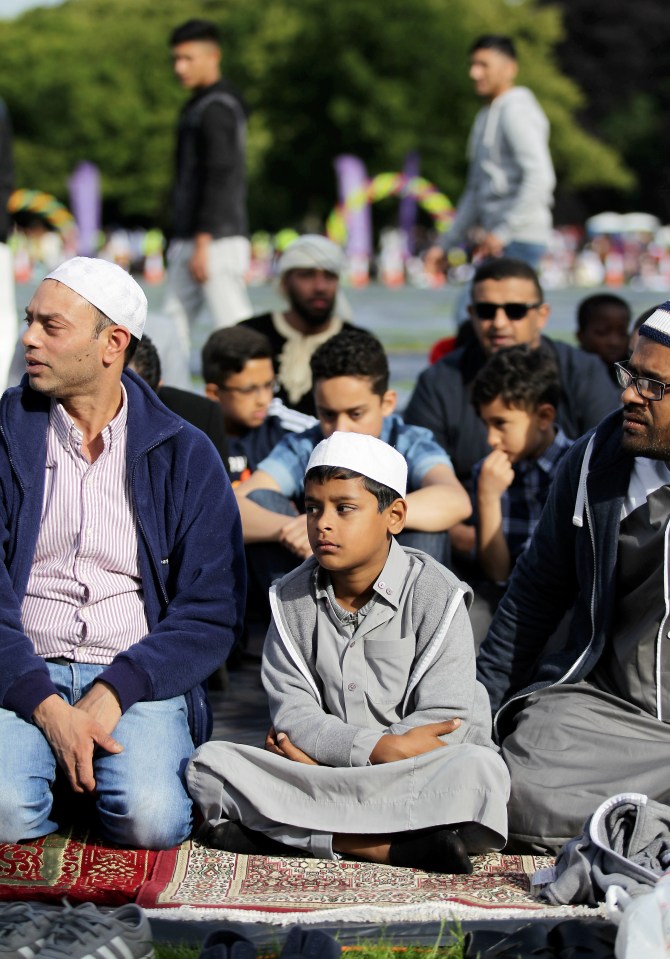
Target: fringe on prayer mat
x=274, y=889
x=378, y=915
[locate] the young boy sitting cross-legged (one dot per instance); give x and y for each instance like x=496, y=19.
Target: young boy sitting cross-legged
x=369, y=670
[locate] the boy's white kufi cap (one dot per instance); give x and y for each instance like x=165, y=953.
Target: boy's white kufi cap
x=365, y=455
x=108, y=287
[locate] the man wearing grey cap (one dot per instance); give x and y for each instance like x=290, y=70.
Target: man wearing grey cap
x=591, y=719
x=309, y=272
x=122, y=579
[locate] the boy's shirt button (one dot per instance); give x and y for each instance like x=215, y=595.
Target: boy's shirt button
x=381, y=584
x=388, y=592
x=351, y=687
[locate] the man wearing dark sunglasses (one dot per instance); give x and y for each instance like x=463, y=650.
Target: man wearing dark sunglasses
x=507, y=309
x=591, y=719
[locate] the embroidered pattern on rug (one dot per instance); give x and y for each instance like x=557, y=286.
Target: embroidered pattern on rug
x=199, y=877
x=67, y=865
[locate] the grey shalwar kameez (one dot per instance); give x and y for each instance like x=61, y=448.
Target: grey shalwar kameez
x=337, y=681
x=577, y=744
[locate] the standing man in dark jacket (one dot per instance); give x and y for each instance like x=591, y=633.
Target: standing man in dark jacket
x=209, y=253
x=591, y=719
x=121, y=571
x=7, y=299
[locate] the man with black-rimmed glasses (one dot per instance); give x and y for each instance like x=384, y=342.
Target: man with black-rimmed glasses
x=592, y=719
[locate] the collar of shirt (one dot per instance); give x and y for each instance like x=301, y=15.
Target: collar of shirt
x=71, y=437
x=387, y=586
x=547, y=462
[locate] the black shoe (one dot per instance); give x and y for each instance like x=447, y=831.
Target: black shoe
x=234, y=837
x=433, y=850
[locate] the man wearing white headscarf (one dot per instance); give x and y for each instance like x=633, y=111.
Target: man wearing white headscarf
x=309, y=272
x=122, y=578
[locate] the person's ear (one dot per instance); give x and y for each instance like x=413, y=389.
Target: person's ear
x=212, y=392
x=397, y=516
x=543, y=315
x=389, y=402
x=117, y=339
x=546, y=414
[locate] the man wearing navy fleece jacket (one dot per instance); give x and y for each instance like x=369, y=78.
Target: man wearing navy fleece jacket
x=122, y=582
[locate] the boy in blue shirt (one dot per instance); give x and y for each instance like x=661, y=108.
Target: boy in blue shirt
x=369, y=670
x=351, y=392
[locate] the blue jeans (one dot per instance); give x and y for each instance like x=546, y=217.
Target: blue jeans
x=141, y=796
x=530, y=253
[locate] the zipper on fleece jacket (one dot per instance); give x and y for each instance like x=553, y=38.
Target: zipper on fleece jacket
x=12, y=463
x=581, y=507
x=663, y=627
x=154, y=562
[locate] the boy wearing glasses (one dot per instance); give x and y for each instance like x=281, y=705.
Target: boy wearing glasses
x=239, y=375
x=591, y=719
x=507, y=309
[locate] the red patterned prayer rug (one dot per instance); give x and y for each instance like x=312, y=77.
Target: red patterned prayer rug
x=67, y=865
x=195, y=876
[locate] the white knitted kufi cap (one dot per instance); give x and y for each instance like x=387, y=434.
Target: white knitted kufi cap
x=312, y=252
x=108, y=287
x=657, y=327
x=365, y=455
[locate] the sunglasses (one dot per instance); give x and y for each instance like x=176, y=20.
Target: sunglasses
x=514, y=311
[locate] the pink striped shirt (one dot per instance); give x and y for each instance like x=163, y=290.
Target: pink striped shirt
x=84, y=598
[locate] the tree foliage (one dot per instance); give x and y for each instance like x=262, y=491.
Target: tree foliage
x=617, y=50
x=91, y=79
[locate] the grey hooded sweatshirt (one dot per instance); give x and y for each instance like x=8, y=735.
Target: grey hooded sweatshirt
x=511, y=178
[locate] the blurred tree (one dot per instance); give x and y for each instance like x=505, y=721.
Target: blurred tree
x=617, y=52
x=91, y=79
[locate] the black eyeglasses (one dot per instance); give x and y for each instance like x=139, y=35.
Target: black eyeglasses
x=652, y=390
x=255, y=389
x=514, y=311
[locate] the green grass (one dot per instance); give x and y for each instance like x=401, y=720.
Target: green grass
x=448, y=945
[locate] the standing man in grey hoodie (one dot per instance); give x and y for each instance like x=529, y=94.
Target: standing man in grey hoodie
x=506, y=206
